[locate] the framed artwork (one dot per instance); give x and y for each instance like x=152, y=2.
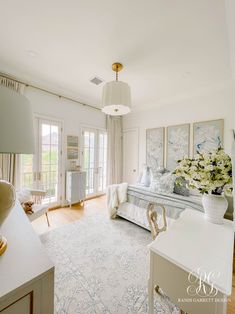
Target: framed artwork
x=72, y=147
x=155, y=148
x=178, y=139
x=72, y=141
x=207, y=135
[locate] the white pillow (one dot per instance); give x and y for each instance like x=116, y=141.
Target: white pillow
x=165, y=184
x=154, y=186
x=155, y=182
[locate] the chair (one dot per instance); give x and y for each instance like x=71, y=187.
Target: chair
x=39, y=209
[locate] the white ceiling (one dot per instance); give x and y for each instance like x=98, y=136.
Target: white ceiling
x=168, y=48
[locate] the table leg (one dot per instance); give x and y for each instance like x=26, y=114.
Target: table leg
x=48, y=223
x=150, y=296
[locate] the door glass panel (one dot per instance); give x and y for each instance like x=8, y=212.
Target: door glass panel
x=102, y=161
x=46, y=154
x=49, y=161
x=54, y=135
x=89, y=160
x=27, y=173
x=41, y=171
x=95, y=160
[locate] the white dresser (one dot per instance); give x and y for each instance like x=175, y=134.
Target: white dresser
x=192, y=264
x=26, y=273
x=75, y=186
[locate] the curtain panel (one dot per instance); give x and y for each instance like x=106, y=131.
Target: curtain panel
x=9, y=163
x=16, y=86
x=115, y=162
x=9, y=166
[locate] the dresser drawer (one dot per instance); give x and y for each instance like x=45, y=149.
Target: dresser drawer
x=22, y=306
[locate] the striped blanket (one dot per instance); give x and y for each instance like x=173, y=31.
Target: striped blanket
x=174, y=203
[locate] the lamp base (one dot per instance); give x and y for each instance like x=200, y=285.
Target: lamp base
x=3, y=245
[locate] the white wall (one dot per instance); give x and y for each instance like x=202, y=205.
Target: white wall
x=216, y=105
x=72, y=115
x=230, y=21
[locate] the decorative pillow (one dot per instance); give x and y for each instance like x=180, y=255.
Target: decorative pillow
x=166, y=183
x=154, y=185
x=159, y=172
x=182, y=188
x=163, y=170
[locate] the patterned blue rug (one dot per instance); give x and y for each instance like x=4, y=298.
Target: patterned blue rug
x=102, y=266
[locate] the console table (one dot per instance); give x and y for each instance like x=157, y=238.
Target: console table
x=192, y=263
x=26, y=273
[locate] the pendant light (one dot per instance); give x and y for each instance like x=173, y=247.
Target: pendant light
x=116, y=99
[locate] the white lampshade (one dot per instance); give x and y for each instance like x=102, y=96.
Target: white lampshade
x=16, y=123
x=16, y=136
x=116, y=99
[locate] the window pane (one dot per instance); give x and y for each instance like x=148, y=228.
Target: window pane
x=92, y=156
x=54, y=155
x=86, y=158
x=46, y=134
x=92, y=140
x=26, y=171
x=45, y=154
x=54, y=134
x=86, y=139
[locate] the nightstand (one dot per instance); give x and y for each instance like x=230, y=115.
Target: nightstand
x=192, y=263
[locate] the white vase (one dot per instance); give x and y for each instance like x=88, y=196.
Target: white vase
x=215, y=207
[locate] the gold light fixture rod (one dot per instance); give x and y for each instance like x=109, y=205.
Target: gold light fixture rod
x=117, y=67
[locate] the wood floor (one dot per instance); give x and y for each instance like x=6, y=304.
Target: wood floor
x=63, y=216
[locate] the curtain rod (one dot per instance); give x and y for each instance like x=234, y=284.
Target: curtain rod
x=47, y=91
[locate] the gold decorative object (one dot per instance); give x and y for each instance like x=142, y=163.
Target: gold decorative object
x=117, y=67
x=3, y=245
x=7, y=201
x=152, y=219
x=162, y=295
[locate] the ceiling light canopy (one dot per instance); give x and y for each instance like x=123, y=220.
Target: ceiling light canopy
x=116, y=99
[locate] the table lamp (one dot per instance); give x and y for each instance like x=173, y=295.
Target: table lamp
x=16, y=136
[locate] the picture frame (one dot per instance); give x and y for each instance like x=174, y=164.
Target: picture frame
x=177, y=144
x=155, y=146
x=72, y=141
x=208, y=135
x=72, y=147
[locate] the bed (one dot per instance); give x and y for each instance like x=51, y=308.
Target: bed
x=138, y=199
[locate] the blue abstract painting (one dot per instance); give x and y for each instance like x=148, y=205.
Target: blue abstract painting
x=155, y=148
x=207, y=135
x=178, y=137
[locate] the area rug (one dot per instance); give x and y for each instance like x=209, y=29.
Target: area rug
x=101, y=266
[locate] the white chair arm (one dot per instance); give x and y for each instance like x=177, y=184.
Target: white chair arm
x=41, y=193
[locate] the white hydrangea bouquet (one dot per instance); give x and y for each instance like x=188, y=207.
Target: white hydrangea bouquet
x=209, y=173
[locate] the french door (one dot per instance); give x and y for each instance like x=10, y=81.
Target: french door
x=42, y=170
x=94, y=160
